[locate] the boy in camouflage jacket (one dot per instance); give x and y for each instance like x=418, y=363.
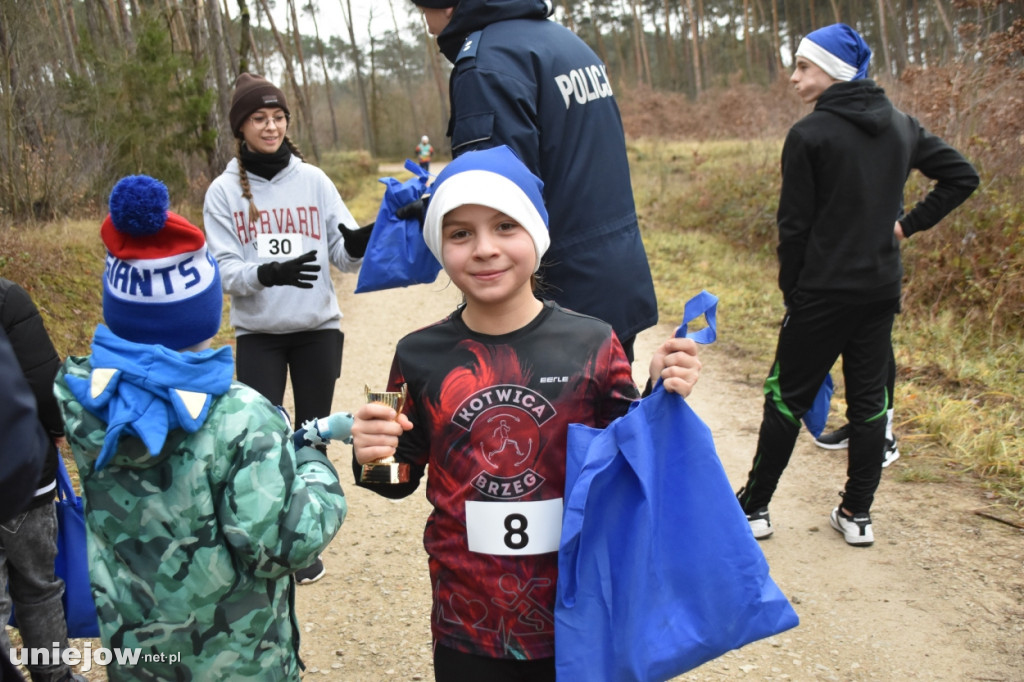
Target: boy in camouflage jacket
x=199, y=507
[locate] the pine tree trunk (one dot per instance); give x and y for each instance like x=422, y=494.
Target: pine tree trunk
x=698, y=82
x=364, y=105
x=643, y=59
x=403, y=74
x=327, y=80
x=883, y=32
x=434, y=58
x=776, y=47
x=598, y=40
x=219, y=114
x=836, y=18
x=65, y=17
x=748, y=48
x=244, y=37
x=297, y=39
x=670, y=52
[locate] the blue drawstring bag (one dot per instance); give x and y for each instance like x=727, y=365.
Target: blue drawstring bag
x=658, y=571
x=816, y=417
x=396, y=255
x=72, y=562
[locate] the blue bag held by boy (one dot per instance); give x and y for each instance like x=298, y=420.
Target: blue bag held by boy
x=657, y=569
x=396, y=255
x=72, y=562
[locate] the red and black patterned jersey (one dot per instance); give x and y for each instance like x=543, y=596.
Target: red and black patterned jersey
x=491, y=417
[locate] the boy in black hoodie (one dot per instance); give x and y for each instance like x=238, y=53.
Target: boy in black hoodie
x=841, y=218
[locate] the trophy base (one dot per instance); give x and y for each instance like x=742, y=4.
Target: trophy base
x=386, y=473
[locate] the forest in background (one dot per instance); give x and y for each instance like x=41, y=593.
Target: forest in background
x=92, y=90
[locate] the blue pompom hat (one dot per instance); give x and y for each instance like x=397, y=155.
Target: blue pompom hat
x=160, y=284
x=495, y=178
x=838, y=50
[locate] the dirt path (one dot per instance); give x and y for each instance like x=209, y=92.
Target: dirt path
x=940, y=596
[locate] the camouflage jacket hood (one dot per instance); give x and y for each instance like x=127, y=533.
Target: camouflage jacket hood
x=147, y=391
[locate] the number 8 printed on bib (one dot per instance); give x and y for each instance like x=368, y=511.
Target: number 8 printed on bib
x=514, y=528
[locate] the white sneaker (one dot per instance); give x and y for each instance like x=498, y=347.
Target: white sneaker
x=856, y=529
x=760, y=523
x=892, y=453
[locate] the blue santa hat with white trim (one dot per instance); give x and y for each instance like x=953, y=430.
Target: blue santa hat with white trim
x=495, y=178
x=838, y=50
x=161, y=285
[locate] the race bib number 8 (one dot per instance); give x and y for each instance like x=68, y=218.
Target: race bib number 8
x=278, y=246
x=514, y=527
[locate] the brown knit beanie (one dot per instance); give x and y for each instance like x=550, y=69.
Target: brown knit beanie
x=253, y=92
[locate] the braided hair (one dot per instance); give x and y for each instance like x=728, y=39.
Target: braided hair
x=243, y=176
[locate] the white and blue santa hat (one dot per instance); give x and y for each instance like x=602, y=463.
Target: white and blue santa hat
x=495, y=178
x=160, y=284
x=838, y=50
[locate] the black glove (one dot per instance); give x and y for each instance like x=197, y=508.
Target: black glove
x=356, y=240
x=416, y=209
x=297, y=272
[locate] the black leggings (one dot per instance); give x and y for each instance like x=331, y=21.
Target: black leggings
x=312, y=359
x=455, y=666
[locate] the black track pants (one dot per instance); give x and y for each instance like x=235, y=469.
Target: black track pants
x=815, y=333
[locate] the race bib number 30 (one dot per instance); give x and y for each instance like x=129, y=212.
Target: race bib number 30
x=514, y=527
x=279, y=246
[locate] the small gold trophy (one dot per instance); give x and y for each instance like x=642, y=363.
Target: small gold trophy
x=387, y=470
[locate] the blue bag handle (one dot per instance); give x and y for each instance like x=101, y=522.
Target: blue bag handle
x=705, y=303
x=415, y=169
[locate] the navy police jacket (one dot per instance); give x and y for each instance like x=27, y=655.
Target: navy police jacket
x=530, y=83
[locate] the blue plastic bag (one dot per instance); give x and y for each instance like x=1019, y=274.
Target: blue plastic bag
x=72, y=563
x=396, y=255
x=657, y=569
x=816, y=417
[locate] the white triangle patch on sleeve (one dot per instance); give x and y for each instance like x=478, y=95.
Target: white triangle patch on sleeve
x=193, y=401
x=99, y=380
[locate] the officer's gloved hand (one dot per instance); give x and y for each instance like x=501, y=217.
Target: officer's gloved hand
x=416, y=210
x=298, y=272
x=356, y=240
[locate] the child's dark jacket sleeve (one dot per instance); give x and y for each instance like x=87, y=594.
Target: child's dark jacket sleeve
x=24, y=441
